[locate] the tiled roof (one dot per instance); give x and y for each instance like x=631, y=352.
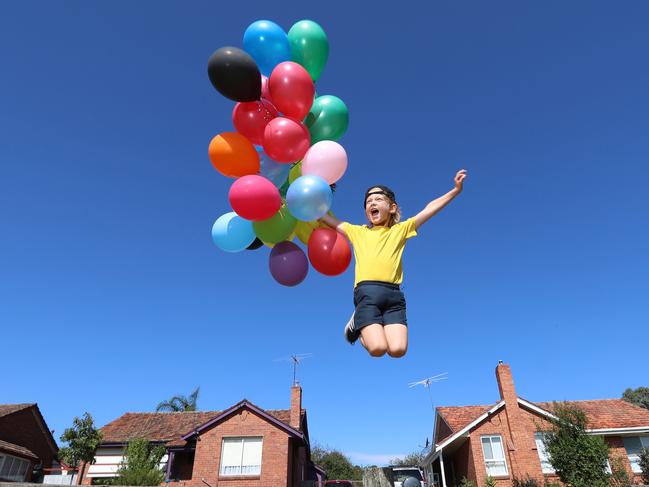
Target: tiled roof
x=12, y=408
x=166, y=427
x=457, y=417
x=600, y=413
x=608, y=413
x=17, y=449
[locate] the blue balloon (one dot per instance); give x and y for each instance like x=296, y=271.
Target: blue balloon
x=268, y=44
x=309, y=198
x=272, y=170
x=232, y=233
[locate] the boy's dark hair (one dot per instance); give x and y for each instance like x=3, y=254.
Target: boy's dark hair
x=384, y=190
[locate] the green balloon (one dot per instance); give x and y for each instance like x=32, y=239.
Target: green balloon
x=284, y=188
x=328, y=119
x=309, y=47
x=295, y=172
x=277, y=228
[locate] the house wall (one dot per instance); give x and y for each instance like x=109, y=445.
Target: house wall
x=24, y=429
x=274, y=457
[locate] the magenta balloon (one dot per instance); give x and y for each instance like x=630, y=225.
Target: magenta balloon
x=288, y=264
x=254, y=198
x=326, y=159
x=286, y=140
x=291, y=89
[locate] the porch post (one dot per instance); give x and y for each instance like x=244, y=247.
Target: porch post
x=441, y=467
x=170, y=459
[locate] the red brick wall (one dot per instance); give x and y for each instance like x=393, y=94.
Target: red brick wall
x=275, y=450
x=23, y=429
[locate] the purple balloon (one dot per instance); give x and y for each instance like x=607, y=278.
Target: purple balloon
x=288, y=264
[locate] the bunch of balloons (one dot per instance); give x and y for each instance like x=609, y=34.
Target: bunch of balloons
x=283, y=152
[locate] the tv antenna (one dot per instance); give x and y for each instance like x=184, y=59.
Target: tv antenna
x=427, y=382
x=295, y=358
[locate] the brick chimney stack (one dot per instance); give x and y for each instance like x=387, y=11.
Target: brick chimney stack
x=521, y=448
x=296, y=405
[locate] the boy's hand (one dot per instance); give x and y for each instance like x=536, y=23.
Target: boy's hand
x=459, y=179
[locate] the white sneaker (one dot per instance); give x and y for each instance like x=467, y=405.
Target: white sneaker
x=351, y=334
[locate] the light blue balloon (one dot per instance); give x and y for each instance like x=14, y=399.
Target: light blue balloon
x=268, y=44
x=272, y=170
x=232, y=233
x=309, y=198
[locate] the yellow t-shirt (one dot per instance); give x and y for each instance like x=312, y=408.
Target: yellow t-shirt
x=378, y=250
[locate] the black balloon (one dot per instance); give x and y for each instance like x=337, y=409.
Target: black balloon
x=255, y=245
x=235, y=74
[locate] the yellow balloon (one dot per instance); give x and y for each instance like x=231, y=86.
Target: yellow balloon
x=303, y=230
x=295, y=172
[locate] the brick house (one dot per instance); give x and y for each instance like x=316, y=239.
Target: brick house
x=242, y=446
x=26, y=443
x=503, y=439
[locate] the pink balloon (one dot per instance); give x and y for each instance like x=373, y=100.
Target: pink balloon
x=286, y=140
x=326, y=159
x=254, y=198
x=291, y=89
x=250, y=119
x=265, y=92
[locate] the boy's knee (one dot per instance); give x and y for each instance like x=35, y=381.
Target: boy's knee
x=377, y=350
x=397, y=352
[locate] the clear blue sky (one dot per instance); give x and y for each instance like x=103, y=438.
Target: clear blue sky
x=113, y=297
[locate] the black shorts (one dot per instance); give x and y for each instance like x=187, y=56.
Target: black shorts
x=378, y=302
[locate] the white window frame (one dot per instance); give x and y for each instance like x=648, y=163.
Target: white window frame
x=634, y=458
x=22, y=466
x=240, y=473
x=493, y=461
x=546, y=466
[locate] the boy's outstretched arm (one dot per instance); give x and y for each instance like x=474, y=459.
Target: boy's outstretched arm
x=437, y=204
x=334, y=223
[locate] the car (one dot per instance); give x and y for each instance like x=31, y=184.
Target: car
x=400, y=474
x=338, y=483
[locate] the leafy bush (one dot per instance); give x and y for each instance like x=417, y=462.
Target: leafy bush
x=579, y=459
x=466, y=483
x=490, y=482
x=141, y=464
x=619, y=476
x=525, y=482
x=644, y=464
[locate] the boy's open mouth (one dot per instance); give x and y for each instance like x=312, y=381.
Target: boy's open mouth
x=374, y=212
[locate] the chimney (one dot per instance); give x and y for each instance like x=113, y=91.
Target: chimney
x=506, y=384
x=296, y=405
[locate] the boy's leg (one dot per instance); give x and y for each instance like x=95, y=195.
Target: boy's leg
x=373, y=339
x=396, y=339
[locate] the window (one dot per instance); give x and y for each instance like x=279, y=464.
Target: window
x=546, y=466
x=241, y=456
x=633, y=445
x=13, y=468
x=494, y=455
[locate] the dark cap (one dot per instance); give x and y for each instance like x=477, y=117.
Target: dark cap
x=384, y=190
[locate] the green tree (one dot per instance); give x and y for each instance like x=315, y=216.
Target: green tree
x=579, y=459
x=180, y=403
x=82, y=440
x=141, y=464
x=466, y=483
x=335, y=464
x=410, y=460
x=490, y=482
x=644, y=464
x=639, y=396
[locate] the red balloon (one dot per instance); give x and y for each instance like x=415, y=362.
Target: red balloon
x=291, y=89
x=329, y=252
x=250, y=119
x=254, y=198
x=265, y=92
x=286, y=140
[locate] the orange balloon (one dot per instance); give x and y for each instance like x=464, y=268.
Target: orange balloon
x=233, y=155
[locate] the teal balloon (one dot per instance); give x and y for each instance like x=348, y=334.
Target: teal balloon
x=328, y=119
x=309, y=47
x=232, y=233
